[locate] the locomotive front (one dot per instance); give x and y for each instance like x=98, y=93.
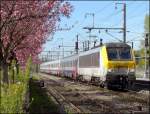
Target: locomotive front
x=121, y=65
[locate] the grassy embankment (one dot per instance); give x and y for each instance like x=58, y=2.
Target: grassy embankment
x=40, y=101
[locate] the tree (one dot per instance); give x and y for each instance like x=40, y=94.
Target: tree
x=141, y=52
x=146, y=23
x=25, y=26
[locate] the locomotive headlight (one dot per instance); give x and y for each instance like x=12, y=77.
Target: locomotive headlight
x=110, y=70
x=132, y=70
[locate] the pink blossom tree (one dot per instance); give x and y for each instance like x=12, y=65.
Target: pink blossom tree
x=25, y=26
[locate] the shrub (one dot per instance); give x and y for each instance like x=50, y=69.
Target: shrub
x=13, y=95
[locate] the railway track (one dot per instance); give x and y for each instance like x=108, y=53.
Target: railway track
x=65, y=105
x=141, y=84
x=78, y=97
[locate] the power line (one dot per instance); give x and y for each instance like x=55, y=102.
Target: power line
x=113, y=37
x=111, y=15
x=79, y=24
x=137, y=38
x=102, y=9
x=137, y=32
x=137, y=9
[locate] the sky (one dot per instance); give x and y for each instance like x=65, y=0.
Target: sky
x=106, y=15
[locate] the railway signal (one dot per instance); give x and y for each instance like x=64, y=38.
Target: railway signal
x=147, y=57
x=146, y=40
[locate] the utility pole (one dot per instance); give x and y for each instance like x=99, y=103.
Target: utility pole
x=77, y=44
x=110, y=28
x=62, y=45
x=124, y=25
x=124, y=21
x=93, y=15
x=147, y=63
x=62, y=48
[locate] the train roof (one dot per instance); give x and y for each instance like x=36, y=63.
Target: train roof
x=111, y=45
x=114, y=44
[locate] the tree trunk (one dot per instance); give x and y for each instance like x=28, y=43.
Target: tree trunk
x=13, y=76
x=5, y=73
x=0, y=72
x=17, y=68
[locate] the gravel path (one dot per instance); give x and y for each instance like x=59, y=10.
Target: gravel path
x=93, y=99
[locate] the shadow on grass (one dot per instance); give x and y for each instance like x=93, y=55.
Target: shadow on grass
x=41, y=103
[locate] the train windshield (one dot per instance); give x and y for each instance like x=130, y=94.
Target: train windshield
x=119, y=53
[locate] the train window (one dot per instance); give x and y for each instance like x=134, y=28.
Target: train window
x=119, y=53
x=91, y=60
x=112, y=53
x=124, y=53
x=70, y=63
x=95, y=59
x=63, y=64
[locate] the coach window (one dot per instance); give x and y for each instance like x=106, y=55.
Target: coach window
x=64, y=64
x=68, y=63
x=72, y=63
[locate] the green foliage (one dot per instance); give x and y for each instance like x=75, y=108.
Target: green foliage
x=146, y=23
x=13, y=95
x=140, y=62
x=141, y=52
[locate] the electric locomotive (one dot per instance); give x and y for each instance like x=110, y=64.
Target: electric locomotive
x=111, y=64
x=120, y=65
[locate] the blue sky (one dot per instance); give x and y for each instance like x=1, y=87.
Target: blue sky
x=105, y=16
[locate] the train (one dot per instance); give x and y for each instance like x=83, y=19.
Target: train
x=110, y=64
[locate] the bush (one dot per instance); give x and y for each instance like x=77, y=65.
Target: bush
x=13, y=95
x=12, y=98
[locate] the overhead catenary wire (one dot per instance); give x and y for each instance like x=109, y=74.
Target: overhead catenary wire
x=137, y=38
x=114, y=37
x=102, y=9
x=111, y=15
x=138, y=7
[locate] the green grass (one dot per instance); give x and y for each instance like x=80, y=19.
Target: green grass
x=41, y=103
